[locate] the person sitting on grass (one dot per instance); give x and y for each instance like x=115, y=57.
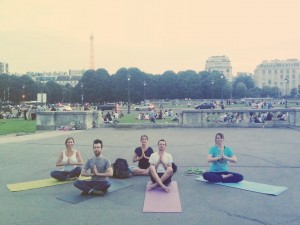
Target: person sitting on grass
x=218, y=156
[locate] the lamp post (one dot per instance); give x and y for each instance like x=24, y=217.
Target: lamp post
x=42, y=94
x=23, y=95
x=286, y=80
x=8, y=95
x=128, y=89
x=212, y=90
x=81, y=93
x=222, y=76
x=144, y=90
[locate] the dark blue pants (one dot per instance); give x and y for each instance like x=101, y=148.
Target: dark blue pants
x=64, y=175
x=88, y=185
x=217, y=177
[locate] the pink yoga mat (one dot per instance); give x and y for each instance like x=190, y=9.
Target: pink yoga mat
x=157, y=200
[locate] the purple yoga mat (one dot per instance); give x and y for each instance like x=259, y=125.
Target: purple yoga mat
x=157, y=200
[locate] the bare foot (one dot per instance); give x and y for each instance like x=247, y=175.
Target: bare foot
x=166, y=189
x=151, y=186
x=226, y=176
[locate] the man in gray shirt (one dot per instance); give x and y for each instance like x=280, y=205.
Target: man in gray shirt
x=99, y=169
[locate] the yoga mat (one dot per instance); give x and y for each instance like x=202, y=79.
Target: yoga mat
x=38, y=184
x=252, y=186
x=157, y=200
x=76, y=197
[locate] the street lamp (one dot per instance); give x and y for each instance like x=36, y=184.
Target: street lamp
x=81, y=93
x=128, y=80
x=222, y=86
x=212, y=90
x=286, y=80
x=42, y=95
x=144, y=90
x=8, y=94
x=23, y=95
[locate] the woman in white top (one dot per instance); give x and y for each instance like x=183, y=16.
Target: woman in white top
x=71, y=161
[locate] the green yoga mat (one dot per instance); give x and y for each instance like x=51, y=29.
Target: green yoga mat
x=76, y=197
x=38, y=184
x=252, y=186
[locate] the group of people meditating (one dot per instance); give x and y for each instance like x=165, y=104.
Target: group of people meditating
x=158, y=165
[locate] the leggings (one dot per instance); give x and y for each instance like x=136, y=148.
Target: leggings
x=217, y=177
x=65, y=175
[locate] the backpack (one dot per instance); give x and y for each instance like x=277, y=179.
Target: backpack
x=120, y=169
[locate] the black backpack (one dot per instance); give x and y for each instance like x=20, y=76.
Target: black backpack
x=120, y=168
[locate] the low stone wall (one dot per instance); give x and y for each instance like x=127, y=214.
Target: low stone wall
x=240, y=118
x=57, y=120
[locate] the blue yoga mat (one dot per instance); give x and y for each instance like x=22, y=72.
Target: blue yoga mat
x=75, y=196
x=252, y=186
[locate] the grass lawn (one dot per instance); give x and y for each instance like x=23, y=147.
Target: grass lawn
x=14, y=126
x=9, y=126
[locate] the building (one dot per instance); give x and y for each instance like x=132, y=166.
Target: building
x=284, y=74
x=76, y=72
x=61, y=78
x=3, y=68
x=221, y=64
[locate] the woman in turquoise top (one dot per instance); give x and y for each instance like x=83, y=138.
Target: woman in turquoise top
x=218, y=156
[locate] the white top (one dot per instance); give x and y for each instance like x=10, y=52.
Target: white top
x=71, y=159
x=154, y=158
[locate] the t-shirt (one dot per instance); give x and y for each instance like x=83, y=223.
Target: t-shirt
x=221, y=164
x=102, y=165
x=143, y=163
x=167, y=159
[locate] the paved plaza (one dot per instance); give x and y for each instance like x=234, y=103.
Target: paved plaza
x=269, y=156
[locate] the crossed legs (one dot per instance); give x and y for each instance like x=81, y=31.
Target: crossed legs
x=140, y=172
x=160, y=179
x=225, y=177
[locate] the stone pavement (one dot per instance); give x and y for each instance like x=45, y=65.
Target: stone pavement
x=269, y=156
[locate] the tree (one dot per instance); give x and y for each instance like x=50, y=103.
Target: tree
x=189, y=83
x=266, y=91
x=67, y=93
x=54, y=92
x=240, y=90
x=294, y=92
x=247, y=80
x=205, y=85
x=254, y=92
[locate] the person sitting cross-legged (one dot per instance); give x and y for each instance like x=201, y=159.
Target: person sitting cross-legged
x=100, y=169
x=218, y=156
x=70, y=160
x=142, y=155
x=160, y=169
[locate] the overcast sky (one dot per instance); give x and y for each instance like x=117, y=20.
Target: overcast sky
x=153, y=35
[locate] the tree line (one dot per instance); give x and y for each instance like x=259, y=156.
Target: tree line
x=98, y=86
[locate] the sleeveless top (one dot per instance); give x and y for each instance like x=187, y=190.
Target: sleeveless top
x=143, y=163
x=73, y=159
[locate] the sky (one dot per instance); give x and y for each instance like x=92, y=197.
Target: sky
x=152, y=35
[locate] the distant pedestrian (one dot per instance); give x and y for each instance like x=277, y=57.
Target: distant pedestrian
x=152, y=116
